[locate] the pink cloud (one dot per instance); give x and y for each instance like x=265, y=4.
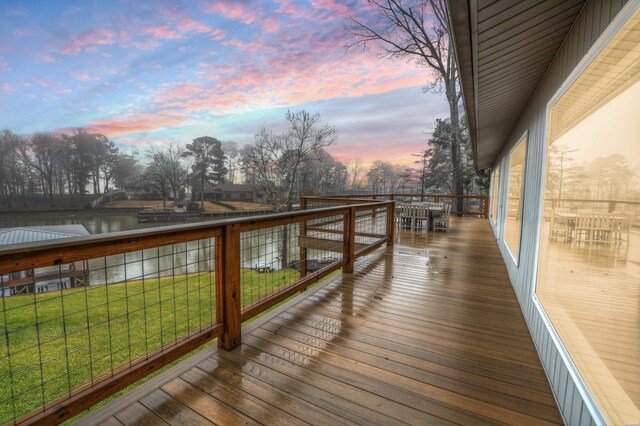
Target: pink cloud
x=370, y=150
x=54, y=86
x=47, y=58
x=134, y=123
x=218, y=34
x=297, y=11
x=162, y=32
x=180, y=91
x=293, y=78
x=78, y=75
x=148, y=44
x=270, y=25
x=289, y=7
x=5, y=86
x=89, y=40
x=253, y=46
x=187, y=24
x=237, y=11
x=339, y=9
x=184, y=26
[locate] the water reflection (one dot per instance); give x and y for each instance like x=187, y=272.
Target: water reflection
x=260, y=247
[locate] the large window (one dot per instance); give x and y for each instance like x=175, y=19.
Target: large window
x=495, y=183
x=588, y=277
x=515, y=190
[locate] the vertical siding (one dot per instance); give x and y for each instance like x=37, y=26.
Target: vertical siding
x=593, y=20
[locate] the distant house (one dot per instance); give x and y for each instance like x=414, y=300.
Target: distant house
x=230, y=192
x=38, y=280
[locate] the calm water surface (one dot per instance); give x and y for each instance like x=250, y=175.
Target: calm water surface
x=257, y=248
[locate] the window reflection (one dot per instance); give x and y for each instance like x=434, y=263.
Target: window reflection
x=589, y=260
x=515, y=183
x=494, y=192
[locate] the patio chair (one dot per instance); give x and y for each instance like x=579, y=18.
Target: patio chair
x=561, y=226
x=594, y=228
x=621, y=226
x=441, y=223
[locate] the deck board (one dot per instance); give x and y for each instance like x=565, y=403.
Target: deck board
x=428, y=332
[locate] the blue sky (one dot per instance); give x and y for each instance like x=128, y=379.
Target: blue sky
x=147, y=72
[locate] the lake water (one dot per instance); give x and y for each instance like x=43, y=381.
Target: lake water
x=95, y=223
x=257, y=248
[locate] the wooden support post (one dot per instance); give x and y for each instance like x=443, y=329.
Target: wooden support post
x=373, y=211
x=349, y=241
x=303, y=233
x=228, y=288
x=391, y=223
x=485, y=212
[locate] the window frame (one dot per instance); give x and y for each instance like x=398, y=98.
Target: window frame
x=614, y=27
x=524, y=138
x=495, y=194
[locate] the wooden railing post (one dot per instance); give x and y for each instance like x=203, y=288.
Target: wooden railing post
x=485, y=212
x=228, y=287
x=303, y=233
x=373, y=211
x=349, y=240
x=391, y=223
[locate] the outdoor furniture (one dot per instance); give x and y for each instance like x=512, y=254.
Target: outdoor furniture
x=412, y=217
x=562, y=225
x=621, y=225
x=441, y=223
x=593, y=228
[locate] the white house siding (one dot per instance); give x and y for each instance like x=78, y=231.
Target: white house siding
x=573, y=399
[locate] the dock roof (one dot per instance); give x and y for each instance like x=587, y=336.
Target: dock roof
x=28, y=234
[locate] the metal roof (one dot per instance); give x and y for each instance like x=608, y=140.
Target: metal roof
x=28, y=234
x=503, y=50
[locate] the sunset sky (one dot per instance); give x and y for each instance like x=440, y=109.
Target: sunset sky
x=146, y=72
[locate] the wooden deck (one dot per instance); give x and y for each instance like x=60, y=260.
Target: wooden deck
x=427, y=333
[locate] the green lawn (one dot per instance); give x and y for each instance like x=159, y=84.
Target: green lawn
x=58, y=341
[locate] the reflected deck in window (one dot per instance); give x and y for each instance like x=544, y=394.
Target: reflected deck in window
x=589, y=260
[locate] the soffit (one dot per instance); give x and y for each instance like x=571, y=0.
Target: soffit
x=503, y=49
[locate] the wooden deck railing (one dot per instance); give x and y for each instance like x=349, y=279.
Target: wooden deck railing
x=462, y=205
x=154, y=295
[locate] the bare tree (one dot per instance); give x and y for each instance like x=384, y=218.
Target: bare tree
x=168, y=170
x=275, y=160
x=417, y=29
x=44, y=154
x=9, y=165
x=356, y=174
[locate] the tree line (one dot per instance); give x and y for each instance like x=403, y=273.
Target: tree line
x=280, y=166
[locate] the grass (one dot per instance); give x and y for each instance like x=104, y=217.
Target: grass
x=58, y=341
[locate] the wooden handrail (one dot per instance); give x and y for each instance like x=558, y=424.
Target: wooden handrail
x=229, y=315
x=362, y=198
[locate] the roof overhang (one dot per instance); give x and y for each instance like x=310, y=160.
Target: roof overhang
x=503, y=50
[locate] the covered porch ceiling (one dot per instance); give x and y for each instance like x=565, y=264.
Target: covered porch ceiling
x=503, y=49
